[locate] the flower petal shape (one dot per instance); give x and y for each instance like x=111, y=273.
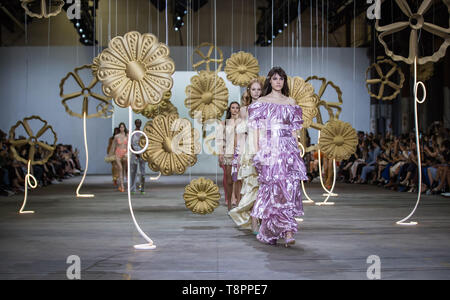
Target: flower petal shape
x=303, y=93
x=42, y=8
x=384, y=78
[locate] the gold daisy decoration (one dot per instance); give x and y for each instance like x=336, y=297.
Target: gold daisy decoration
x=172, y=144
x=42, y=8
x=241, y=68
x=303, y=93
x=201, y=196
x=207, y=96
x=136, y=70
x=165, y=107
x=338, y=140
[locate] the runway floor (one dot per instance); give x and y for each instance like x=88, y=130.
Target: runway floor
x=333, y=242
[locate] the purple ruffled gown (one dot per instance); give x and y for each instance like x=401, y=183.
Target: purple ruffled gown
x=280, y=169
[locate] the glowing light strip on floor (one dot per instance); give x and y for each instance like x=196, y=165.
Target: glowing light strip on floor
x=87, y=161
x=419, y=158
x=28, y=179
x=150, y=245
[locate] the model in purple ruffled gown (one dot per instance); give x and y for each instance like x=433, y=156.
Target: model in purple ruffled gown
x=277, y=161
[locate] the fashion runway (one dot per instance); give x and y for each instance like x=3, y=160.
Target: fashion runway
x=333, y=242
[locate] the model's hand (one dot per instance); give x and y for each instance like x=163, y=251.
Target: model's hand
x=220, y=160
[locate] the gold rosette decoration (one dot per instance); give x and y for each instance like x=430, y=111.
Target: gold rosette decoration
x=385, y=79
x=172, y=144
x=165, y=107
x=303, y=93
x=241, y=68
x=414, y=23
x=338, y=140
x=42, y=8
x=85, y=93
x=201, y=196
x=136, y=70
x=32, y=141
x=207, y=96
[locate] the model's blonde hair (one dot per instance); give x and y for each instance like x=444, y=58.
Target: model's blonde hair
x=246, y=99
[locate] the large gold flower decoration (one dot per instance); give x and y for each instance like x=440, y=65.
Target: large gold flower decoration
x=207, y=59
x=136, y=70
x=415, y=23
x=32, y=141
x=165, y=107
x=85, y=93
x=201, y=196
x=241, y=68
x=173, y=144
x=42, y=8
x=303, y=93
x=385, y=79
x=207, y=95
x=338, y=140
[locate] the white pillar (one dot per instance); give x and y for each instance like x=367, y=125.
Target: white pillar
x=446, y=113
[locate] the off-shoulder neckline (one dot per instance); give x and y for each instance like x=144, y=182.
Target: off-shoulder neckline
x=281, y=104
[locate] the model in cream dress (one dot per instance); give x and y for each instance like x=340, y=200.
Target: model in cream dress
x=247, y=173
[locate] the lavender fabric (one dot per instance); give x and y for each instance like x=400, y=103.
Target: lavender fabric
x=280, y=169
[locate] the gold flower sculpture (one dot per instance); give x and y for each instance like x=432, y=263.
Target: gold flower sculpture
x=201, y=196
x=42, y=8
x=206, y=58
x=338, y=140
x=165, y=107
x=241, y=68
x=415, y=23
x=207, y=95
x=328, y=105
x=95, y=65
x=32, y=141
x=136, y=70
x=85, y=93
x=173, y=144
x=303, y=93
x=385, y=79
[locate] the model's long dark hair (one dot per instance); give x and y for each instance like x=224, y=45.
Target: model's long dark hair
x=267, y=89
x=229, y=109
x=126, y=130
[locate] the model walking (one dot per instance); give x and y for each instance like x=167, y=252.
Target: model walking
x=120, y=150
x=137, y=161
x=247, y=172
x=277, y=161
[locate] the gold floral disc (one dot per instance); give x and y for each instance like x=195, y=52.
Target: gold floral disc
x=201, y=196
x=241, y=68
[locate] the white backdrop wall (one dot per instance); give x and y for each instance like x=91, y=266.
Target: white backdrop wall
x=30, y=86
